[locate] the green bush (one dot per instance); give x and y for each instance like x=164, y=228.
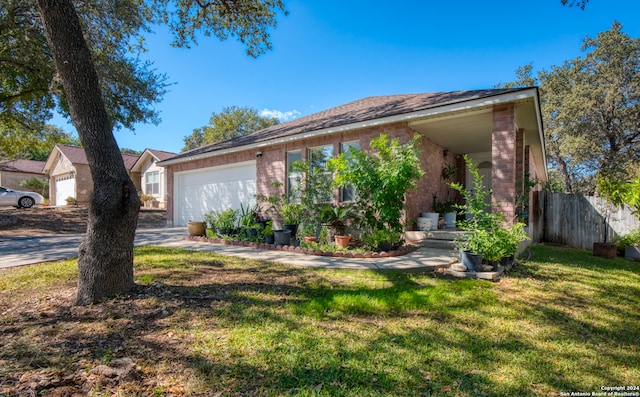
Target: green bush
x=381, y=179
x=629, y=239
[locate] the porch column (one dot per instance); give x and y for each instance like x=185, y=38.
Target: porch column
x=503, y=153
x=520, y=162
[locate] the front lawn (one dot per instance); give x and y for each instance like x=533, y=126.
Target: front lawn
x=204, y=324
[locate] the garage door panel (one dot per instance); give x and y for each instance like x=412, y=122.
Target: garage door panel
x=213, y=189
x=65, y=187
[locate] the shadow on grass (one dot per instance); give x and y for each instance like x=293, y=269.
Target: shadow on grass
x=253, y=328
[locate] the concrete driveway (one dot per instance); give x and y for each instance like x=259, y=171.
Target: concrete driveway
x=26, y=250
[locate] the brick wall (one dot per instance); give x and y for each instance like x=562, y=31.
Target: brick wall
x=503, y=140
x=271, y=166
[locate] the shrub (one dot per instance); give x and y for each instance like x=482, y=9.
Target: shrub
x=381, y=179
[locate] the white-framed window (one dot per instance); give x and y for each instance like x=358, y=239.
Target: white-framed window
x=293, y=177
x=152, y=182
x=348, y=193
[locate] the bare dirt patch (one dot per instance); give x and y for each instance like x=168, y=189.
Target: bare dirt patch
x=66, y=220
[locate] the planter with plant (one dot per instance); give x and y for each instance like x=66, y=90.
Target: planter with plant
x=481, y=223
x=629, y=245
x=267, y=232
x=291, y=214
x=71, y=201
x=308, y=232
x=248, y=222
x=224, y=222
x=447, y=209
x=146, y=199
x=336, y=219
x=383, y=240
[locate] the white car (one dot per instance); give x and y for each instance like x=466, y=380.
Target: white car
x=19, y=199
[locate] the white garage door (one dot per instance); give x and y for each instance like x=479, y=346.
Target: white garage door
x=219, y=188
x=65, y=187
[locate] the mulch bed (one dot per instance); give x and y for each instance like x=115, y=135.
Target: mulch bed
x=405, y=249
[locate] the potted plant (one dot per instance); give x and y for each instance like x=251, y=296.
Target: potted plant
x=267, y=233
x=146, y=199
x=226, y=222
x=470, y=248
x=291, y=214
x=248, y=220
x=510, y=239
x=308, y=233
x=629, y=244
x=383, y=240
x=282, y=237
x=71, y=201
x=336, y=219
x=481, y=225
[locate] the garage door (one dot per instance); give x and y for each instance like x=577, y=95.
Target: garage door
x=198, y=192
x=65, y=187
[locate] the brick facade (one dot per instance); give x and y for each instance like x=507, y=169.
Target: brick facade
x=271, y=165
x=503, y=142
x=510, y=158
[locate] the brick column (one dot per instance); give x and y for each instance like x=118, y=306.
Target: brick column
x=503, y=151
x=520, y=165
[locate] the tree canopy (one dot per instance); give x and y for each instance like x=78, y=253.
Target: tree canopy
x=231, y=122
x=31, y=90
x=591, y=110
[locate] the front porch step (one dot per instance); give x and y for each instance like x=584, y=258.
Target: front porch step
x=440, y=234
x=437, y=239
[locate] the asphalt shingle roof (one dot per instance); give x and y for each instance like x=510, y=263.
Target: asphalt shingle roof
x=29, y=166
x=370, y=108
x=76, y=155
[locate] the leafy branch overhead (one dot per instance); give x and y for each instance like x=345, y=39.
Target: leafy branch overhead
x=31, y=89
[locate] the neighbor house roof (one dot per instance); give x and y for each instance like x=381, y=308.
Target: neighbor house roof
x=77, y=156
x=356, y=113
x=26, y=166
x=158, y=155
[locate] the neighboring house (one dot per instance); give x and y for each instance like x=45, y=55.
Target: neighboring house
x=499, y=129
x=69, y=175
x=14, y=172
x=153, y=177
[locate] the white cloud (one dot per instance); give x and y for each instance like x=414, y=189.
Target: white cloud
x=280, y=115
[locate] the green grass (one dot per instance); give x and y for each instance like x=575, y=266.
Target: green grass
x=563, y=321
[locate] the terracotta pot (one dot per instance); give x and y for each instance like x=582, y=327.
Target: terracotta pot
x=310, y=239
x=342, y=241
x=196, y=228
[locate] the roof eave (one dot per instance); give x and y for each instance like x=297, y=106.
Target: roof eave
x=420, y=113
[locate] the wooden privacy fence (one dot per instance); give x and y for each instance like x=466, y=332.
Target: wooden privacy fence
x=577, y=221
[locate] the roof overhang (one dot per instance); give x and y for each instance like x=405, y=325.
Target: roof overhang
x=137, y=166
x=436, y=112
x=51, y=160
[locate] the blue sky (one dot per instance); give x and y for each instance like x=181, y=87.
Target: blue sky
x=327, y=53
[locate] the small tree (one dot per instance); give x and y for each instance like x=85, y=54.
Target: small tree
x=37, y=185
x=381, y=179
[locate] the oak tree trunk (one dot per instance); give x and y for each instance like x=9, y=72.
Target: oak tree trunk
x=105, y=262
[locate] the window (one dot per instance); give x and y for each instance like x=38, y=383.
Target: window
x=348, y=193
x=318, y=158
x=293, y=177
x=152, y=182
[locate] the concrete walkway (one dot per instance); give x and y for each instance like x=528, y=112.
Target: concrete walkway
x=17, y=251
